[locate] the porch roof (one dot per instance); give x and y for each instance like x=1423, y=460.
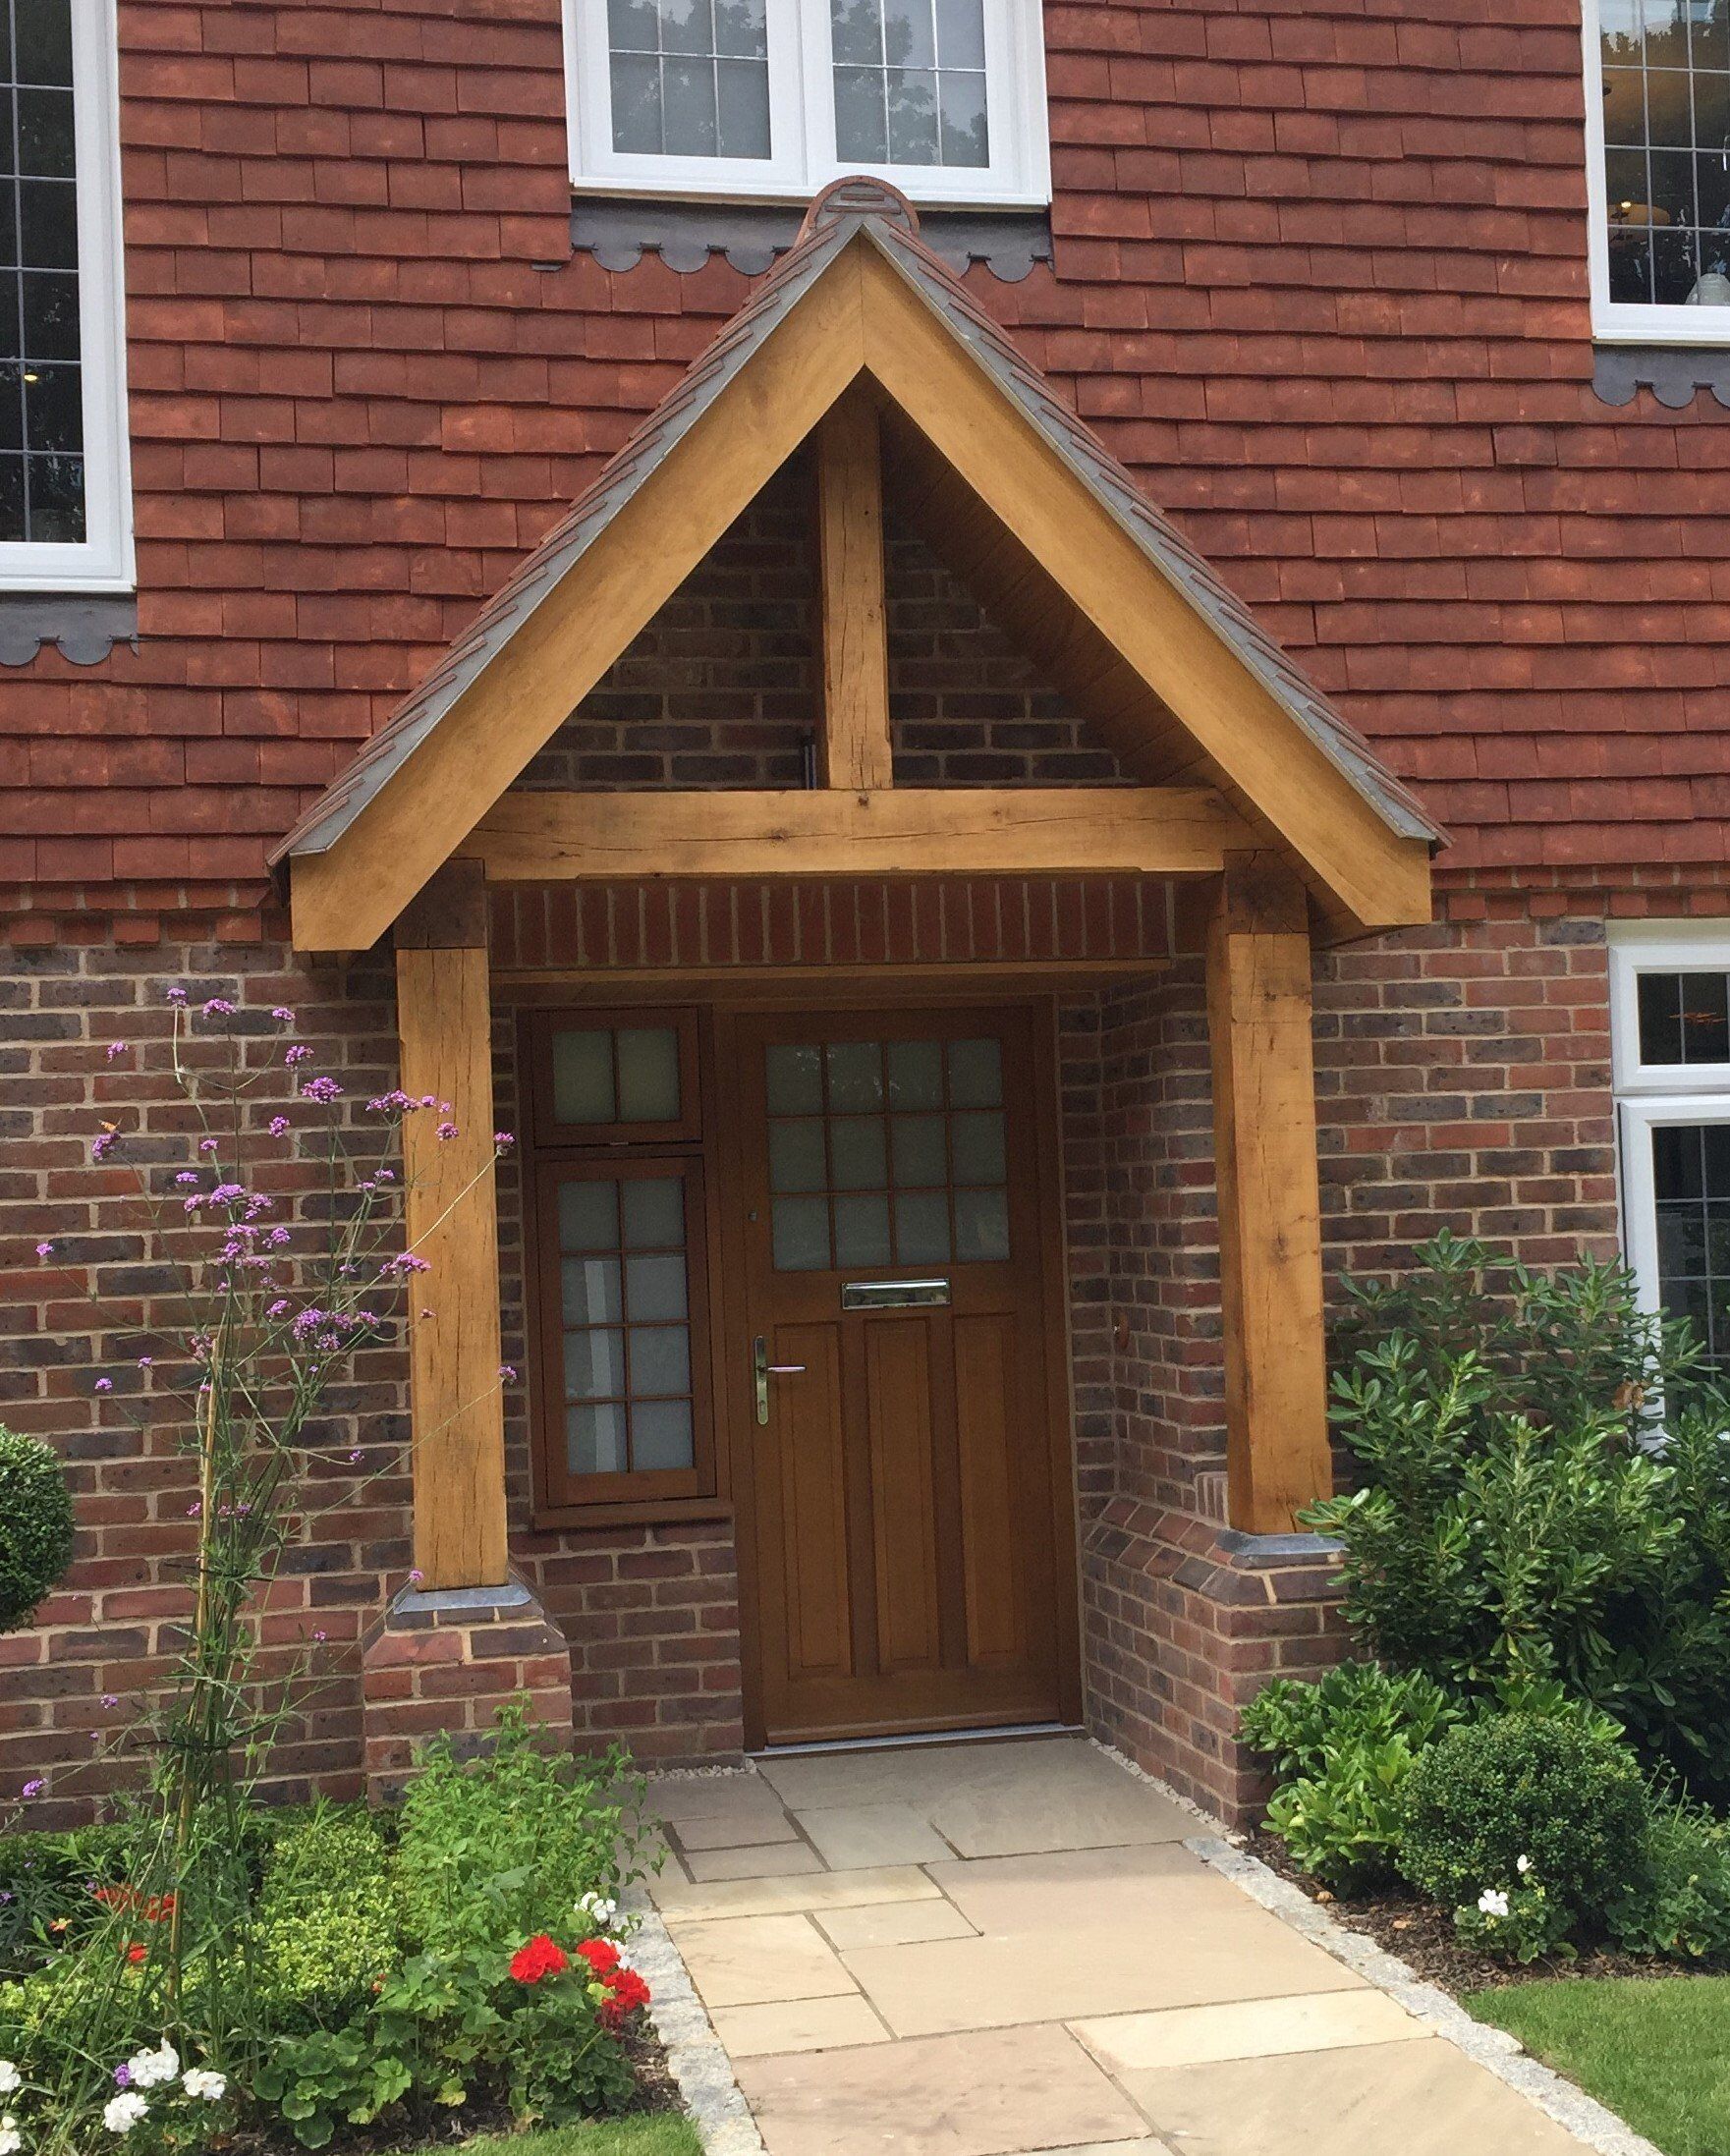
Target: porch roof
x=870, y=211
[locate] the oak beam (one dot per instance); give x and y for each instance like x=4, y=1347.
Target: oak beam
x=444, y=1025
x=1064, y=830
x=1258, y=1021
x=855, y=740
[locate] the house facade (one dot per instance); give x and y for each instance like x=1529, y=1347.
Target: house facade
x=1015, y=685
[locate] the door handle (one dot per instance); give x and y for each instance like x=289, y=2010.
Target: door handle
x=763, y=1369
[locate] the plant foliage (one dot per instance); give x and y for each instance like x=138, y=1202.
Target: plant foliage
x=35, y=1525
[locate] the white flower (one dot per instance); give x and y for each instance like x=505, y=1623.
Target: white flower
x=1523, y=1864
x=601, y=1909
x=120, y=2114
x=11, y=2139
x=200, y=2081
x=10, y=2077
x=1493, y=1901
x=150, y=2068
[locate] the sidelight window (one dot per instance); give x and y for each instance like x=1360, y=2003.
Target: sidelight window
x=776, y=97
x=65, y=516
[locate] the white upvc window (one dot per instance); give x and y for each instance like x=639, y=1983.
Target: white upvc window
x=1658, y=135
x=64, y=487
x=770, y=100
x=1670, y=1051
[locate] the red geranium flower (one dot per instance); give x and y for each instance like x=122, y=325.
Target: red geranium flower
x=628, y=1992
x=602, y=1956
x=541, y=1957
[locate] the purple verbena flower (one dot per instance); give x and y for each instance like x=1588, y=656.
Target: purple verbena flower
x=115, y=1048
x=321, y=1089
x=176, y=996
x=109, y=1701
x=104, y=1384
x=299, y=1053
x=278, y=1126
x=506, y=1373
x=283, y=1015
x=207, y=1144
x=219, y=1007
x=447, y=1132
x=103, y=1145
x=32, y=1789
x=44, y=1249
x=187, y=1175
x=123, y=2076
x=503, y=1140
x=147, y=1363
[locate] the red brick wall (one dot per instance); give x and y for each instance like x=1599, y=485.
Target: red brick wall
x=1320, y=280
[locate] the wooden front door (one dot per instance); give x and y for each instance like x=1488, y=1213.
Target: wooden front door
x=911, y=1504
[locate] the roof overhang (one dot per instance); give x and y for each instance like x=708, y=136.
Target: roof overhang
x=860, y=297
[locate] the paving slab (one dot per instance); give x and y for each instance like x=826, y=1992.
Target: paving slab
x=804, y=2025
x=1406, y=2099
x=743, y=1827
x=774, y=1860
x=756, y=1960
x=1065, y=1974
x=681, y=1902
x=1139, y=1882
x=893, y=1924
x=849, y=1836
x=1251, y=2028
x=677, y=1796
x=990, y=2094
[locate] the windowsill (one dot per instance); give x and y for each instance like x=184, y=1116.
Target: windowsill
x=1675, y=373
x=619, y=229
x=640, y=1513
x=86, y=626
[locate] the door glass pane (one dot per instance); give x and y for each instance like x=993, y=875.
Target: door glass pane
x=862, y=1230
x=859, y=1154
x=648, y=1074
x=921, y=1229
x=583, y=1076
x=795, y=1081
x=589, y=1216
x=916, y=1074
x=594, y=1363
x=655, y=1213
x=656, y=1286
x=856, y=1077
x=981, y=1225
x=594, y=1439
x=921, y=1154
x=795, y=1155
x=661, y=1438
x=800, y=1227
x=976, y=1074
x=592, y=1290
x=660, y=1359
x=978, y=1147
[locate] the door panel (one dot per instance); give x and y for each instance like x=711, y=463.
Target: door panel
x=911, y=1537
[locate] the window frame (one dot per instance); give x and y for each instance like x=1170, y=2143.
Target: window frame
x=1649, y=1096
x=103, y=561
x=555, y=1153
x=1626, y=321
x=802, y=120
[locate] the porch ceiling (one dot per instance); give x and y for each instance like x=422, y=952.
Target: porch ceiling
x=1004, y=481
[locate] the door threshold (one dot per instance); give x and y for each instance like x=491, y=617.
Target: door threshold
x=918, y=1737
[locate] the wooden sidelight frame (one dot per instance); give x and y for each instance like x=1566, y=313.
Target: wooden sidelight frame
x=1247, y=785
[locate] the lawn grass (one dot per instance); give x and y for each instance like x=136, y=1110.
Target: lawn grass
x=1656, y=2049
x=648, y=2134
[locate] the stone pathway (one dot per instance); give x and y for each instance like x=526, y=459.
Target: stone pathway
x=991, y=1949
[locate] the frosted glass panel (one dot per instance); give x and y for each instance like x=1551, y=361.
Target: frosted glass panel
x=648, y=1074
x=978, y=1148
x=589, y=1216
x=862, y=1230
x=859, y=1157
x=594, y=1439
x=661, y=1437
x=795, y=1155
x=981, y=1225
x=594, y=1363
x=656, y=1286
x=583, y=1076
x=660, y=1359
x=921, y=1229
x=592, y=1290
x=801, y=1231
x=655, y=1213
x=795, y=1081
x=976, y=1074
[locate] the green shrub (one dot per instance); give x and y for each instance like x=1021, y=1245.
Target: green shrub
x=1681, y=1908
x=329, y=1918
x=492, y=1851
x=1523, y=1800
x=1342, y=1749
x=1523, y=1521
x=35, y=1525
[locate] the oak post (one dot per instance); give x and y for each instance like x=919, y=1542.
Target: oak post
x=856, y=752
x=444, y=1025
x=1258, y=1021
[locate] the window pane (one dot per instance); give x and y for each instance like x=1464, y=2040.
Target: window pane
x=913, y=115
x=661, y=1439
x=920, y=1155
x=862, y=131
x=1691, y=1180
x=594, y=1363
x=589, y=1216
x=631, y=25
x=44, y=41
x=976, y=1074
x=858, y=30
x=655, y=1213
x=978, y=1148
x=1660, y=1018
x=981, y=1225
x=741, y=28
x=660, y=1359
x=637, y=104
x=594, y=1439
x=648, y=1074
x=688, y=106
x=962, y=120
x=862, y=1230
x=741, y=108
x=687, y=26
x=909, y=36
x=961, y=33
x=800, y=1227
x=856, y=1077
x=690, y=77
x=916, y=1074
x=656, y=1286
x=592, y=1290
x=583, y=1076
x=1666, y=99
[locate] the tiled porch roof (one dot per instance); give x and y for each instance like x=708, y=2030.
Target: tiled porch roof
x=870, y=209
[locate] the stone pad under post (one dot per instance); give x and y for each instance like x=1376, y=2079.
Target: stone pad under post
x=448, y=1659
